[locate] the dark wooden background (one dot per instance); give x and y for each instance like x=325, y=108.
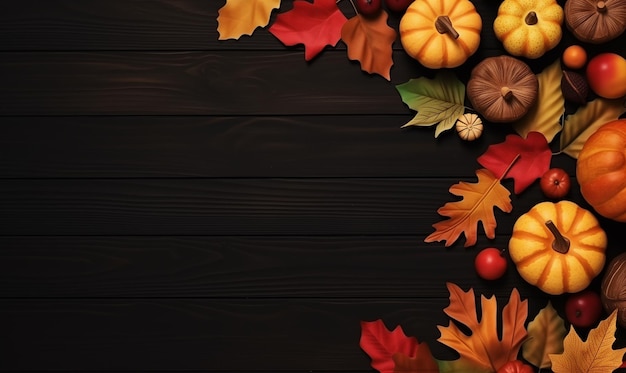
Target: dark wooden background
x=173, y=202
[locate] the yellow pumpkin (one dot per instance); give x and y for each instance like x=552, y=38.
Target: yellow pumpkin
x=558, y=247
x=529, y=28
x=439, y=33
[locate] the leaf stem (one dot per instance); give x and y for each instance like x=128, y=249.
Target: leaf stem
x=509, y=167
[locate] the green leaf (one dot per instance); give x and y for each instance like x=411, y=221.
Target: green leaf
x=545, y=336
x=437, y=101
x=544, y=116
x=461, y=365
x=586, y=120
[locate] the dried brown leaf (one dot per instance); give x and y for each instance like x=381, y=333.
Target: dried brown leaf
x=545, y=336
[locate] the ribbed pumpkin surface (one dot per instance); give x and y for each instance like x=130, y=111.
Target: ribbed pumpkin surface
x=601, y=170
x=422, y=41
x=539, y=264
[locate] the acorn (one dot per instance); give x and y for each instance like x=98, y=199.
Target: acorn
x=574, y=87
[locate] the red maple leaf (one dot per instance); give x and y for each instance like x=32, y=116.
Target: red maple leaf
x=393, y=351
x=315, y=25
x=534, y=159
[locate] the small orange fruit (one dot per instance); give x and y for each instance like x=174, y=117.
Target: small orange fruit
x=574, y=57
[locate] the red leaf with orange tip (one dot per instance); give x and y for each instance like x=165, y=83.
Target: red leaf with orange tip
x=315, y=25
x=370, y=41
x=534, y=159
x=393, y=351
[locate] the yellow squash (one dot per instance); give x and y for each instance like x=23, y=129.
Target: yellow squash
x=558, y=247
x=529, y=28
x=439, y=33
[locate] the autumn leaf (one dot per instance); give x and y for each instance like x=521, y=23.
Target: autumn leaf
x=388, y=348
x=437, y=101
x=461, y=365
x=477, y=205
x=242, y=17
x=315, y=25
x=586, y=120
x=483, y=347
x=544, y=116
x=369, y=41
x=545, y=336
x=534, y=159
x=595, y=355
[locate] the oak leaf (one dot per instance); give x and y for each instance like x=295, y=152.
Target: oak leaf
x=438, y=101
x=544, y=116
x=545, y=337
x=595, y=355
x=586, y=120
x=315, y=25
x=242, y=17
x=387, y=349
x=484, y=348
x=476, y=206
x=369, y=41
x=534, y=159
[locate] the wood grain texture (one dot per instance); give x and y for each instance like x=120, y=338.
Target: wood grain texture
x=234, y=206
x=212, y=335
x=301, y=146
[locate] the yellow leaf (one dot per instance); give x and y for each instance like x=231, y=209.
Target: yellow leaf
x=586, y=120
x=595, y=355
x=484, y=348
x=477, y=205
x=545, y=336
x=544, y=116
x=242, y=17
x=369, y=41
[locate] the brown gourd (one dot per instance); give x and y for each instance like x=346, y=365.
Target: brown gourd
x=502, y=89
x=596, y=21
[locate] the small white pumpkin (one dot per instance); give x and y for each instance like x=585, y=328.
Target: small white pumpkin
x=469, y=127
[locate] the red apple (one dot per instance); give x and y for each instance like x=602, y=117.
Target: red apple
x=606, y=74
x=555, y=183
x=516, y=366
x=490, y=263
x=368, y=8
x=583, y=309
x=398, y=6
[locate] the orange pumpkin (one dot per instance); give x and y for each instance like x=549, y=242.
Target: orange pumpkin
x=601, y=170
x=558, y=247
x=440, y=33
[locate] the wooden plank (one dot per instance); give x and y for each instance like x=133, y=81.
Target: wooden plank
x=302, y=146
x=209, y=335
x=235, y=206
x=146, y=25
x=232, y=267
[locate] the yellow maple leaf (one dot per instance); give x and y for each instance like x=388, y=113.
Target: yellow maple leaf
x=545, y=337
x=477, y=205
x=595, y=355
x=242, y=17
x=484, y=348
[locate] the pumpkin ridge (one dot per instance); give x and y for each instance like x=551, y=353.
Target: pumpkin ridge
x=451, y=10
x=531, y=258
x=585, y=264
x=543, y=277
x=530, y=236
x=566, y=273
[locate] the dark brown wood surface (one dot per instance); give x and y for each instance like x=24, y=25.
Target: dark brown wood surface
x=172, y=202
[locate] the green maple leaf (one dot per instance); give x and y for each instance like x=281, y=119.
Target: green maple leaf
x=438, y=101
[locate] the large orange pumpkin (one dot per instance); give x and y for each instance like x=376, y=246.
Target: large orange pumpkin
x=558, y=247
x=440, y=33
x=601, y=170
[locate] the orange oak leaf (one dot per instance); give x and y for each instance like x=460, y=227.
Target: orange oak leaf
x=370, y=41
x=476, y=206
x=596, y=354
x=242, y=17
x=315, y=25
x=484, y=348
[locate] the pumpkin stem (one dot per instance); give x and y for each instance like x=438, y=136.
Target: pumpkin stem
x=560, y=243
x=506, y=93
x=531, y=18
x=601, y=7
x=443, y=24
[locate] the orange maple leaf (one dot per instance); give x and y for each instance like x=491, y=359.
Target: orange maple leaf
x=477, y=205
x=596, y=354
x=242, y=17
x=483, y=347
x=370, y=41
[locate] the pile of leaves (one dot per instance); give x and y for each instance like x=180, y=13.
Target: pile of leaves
x=545, y=343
